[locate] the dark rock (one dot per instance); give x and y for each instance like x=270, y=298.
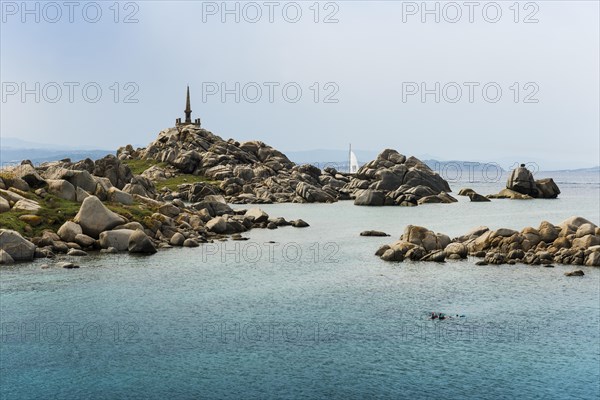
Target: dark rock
x=299, y=223
x=370, y=198
x=577, y=272
x=373, y=233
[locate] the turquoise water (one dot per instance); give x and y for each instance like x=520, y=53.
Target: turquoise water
x=314, y=315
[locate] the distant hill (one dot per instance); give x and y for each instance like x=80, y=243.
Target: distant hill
x=11, y=155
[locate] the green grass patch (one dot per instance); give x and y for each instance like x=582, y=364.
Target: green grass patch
x=56, y=211
x=138, y=166
x=172, y=183
x=10, y=220
x=134, y=213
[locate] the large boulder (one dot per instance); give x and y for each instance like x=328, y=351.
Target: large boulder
x=548, y=232
x=4, y=205
x=521, y=181
x=312, y=194
x=257, y=215
x=217, y=225
x=62, y=189
x=118, y=239
x=115, y=195
x=213, y=207
x=370, y=197
x=140, y=185
x=94, y=218
x=29, y=206
x=425, y=238
x=456, y=250
x=112, y=168
x=28, y=173
x=139, y=242
x=547, y=188
x=68, y=231
x=5, y=258
x=19, y=248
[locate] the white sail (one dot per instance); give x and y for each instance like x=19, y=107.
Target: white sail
x=353, y=163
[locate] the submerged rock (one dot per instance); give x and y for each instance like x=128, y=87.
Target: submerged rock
x=373, y=233
x=577, y=272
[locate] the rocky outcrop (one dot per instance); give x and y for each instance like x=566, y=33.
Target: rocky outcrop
x=575, y=241
x=28, y=173
x=393, y=179
x=547, y=189
x=473, y=196
x=17, y=247
x=521, y=181
x=94, y=218
x=118, y=173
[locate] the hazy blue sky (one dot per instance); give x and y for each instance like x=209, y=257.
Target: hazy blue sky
x=370, y=57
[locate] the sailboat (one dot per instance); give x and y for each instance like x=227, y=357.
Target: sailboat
x=352, y=161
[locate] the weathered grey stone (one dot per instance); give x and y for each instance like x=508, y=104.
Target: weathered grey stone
x=217, y=225
x=76, y=253
x=68, y=231
x=370, y=198
x=5, y=258
x=84, y=240
x=547, y=188
x=94, y=217
x=19, y=248
x=299, y=223
x=257, y=215
x=62, y=189
x=190, y=243
x=118, y=196
x=118, y=239
x=458, y=249
x=177, y=239
x=521, y=181
x=170, y=210
x=4, y=205
x=27, y=205
x=140, y=243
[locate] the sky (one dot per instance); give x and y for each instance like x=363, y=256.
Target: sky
x=493, y=81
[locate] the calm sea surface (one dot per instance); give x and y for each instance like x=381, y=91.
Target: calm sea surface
x=313, y=315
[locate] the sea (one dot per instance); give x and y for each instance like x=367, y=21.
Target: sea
x=312, y=313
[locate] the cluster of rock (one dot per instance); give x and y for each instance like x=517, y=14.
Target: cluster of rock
x=249, y=172
x=95, y=227
x=107, y=178
x=522, y=186
x=574, y=241
x=253, y=172
x=393, y=179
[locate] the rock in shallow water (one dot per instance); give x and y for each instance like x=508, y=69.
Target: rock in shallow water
x=19, y=248
x=140, y=243
x=577, y=272
x=373, y=233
